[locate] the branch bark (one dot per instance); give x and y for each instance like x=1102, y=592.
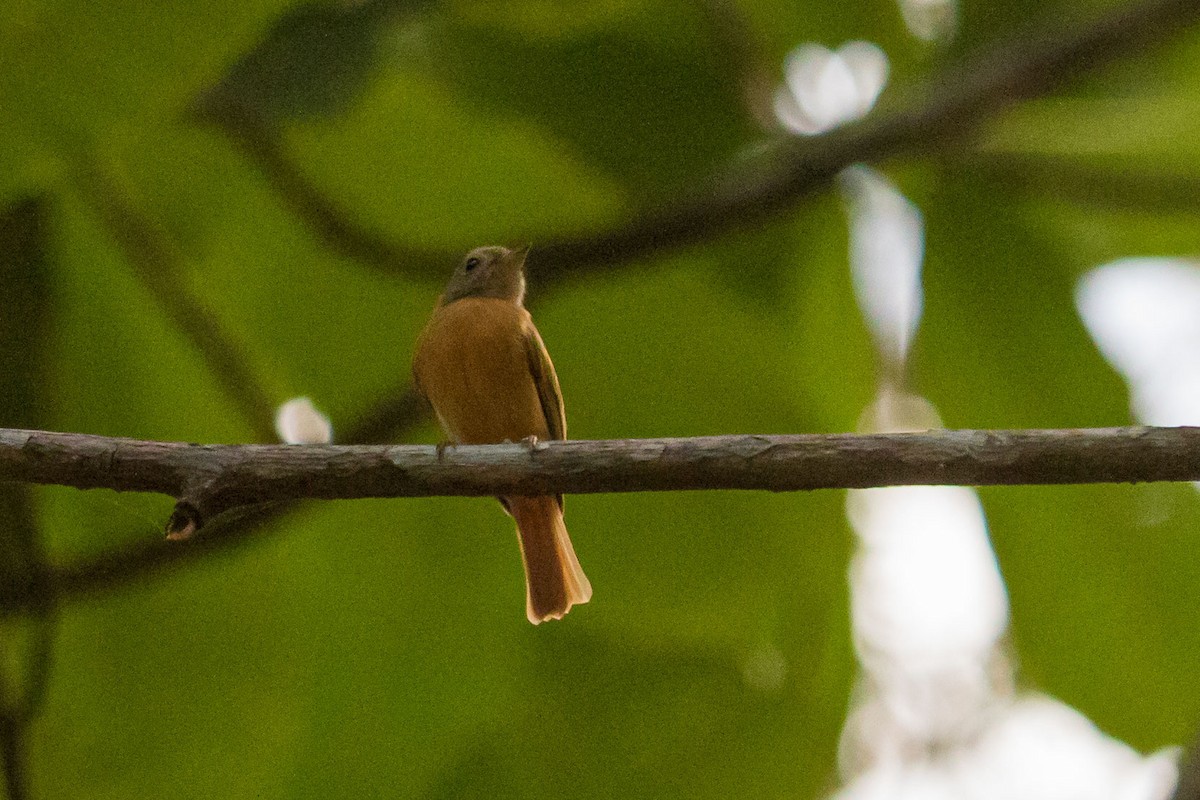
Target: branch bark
x=980, y=457
x=215, y=478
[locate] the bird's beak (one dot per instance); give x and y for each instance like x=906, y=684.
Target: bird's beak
x=519, y=253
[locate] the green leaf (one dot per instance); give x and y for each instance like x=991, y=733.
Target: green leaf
x=654, y=117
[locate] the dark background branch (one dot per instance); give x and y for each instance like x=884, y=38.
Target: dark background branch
x=338, y=230
x=959, y=100
x=962, y=98
x=13, y=749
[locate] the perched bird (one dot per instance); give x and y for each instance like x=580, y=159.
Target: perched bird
x=483, y=367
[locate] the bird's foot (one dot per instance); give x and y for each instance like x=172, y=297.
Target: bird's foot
x=533, y=444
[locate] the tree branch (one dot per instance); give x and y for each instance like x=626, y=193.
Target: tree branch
x=130, y=562
x=215, y=478
x=961, y=98
x=817, y=461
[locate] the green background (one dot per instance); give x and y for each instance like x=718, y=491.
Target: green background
x=372, y=648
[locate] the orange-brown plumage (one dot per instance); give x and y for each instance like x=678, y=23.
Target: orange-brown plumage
x=483, y=367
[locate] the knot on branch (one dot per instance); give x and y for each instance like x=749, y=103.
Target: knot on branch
x=195, y=505
x=184, y=521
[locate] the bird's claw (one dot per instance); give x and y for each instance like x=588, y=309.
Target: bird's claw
x=533, y=444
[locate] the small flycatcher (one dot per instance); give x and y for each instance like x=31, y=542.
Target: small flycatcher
x=483, y=367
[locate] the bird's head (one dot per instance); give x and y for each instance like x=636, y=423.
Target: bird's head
x=489, y=272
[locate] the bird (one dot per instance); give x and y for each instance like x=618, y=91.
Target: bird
x=483, y=367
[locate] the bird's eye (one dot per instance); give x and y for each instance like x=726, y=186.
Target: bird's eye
x=471, y=264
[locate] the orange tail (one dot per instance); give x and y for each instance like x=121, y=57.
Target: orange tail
x=553, y=578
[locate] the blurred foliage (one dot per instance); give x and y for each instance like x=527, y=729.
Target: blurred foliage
x=379, y=648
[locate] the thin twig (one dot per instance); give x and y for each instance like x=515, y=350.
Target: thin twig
x=158, y=266
x=119, y=567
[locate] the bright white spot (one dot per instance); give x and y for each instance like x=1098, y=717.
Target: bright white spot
x=825, y=88
x=1035, y=748
x=1040, y=748
x=298, y=422
x=887, y=245
x=895, y=410
x=928, y=609
x=927, y=586
x=1144, y=315
x=930, y=20
x=764, y=669
x=934, y=714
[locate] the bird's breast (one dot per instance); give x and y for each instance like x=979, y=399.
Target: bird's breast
x=471, y=362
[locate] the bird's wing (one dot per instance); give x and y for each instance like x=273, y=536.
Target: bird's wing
x=546, y=381
x=548, y=391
